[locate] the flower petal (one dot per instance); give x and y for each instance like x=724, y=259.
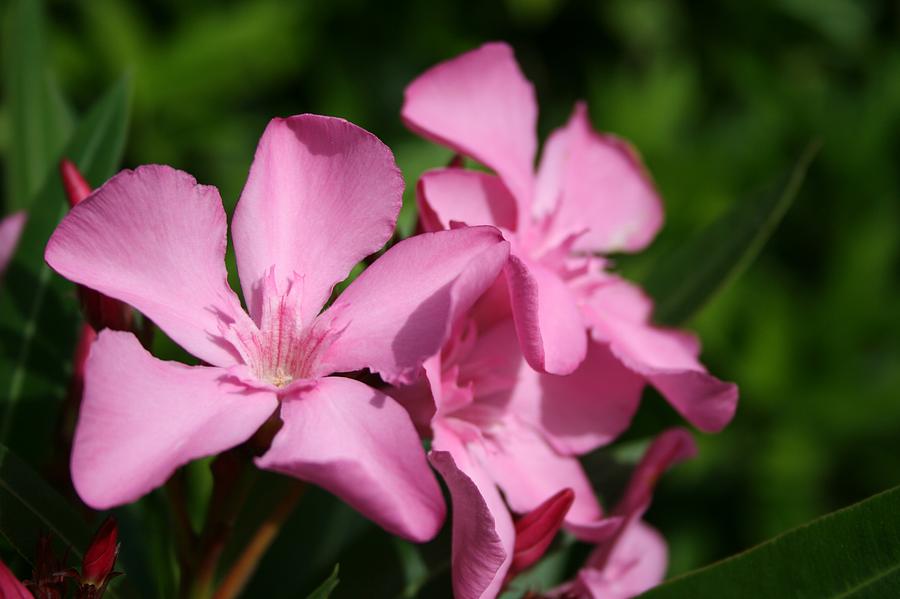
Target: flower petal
x=549, y=323
x=10, y=587
x=584, y=410
x=576, y=413
x=401, y=309
x=666, y=358
x=141, y=418
x=155, y=239
x=669, y=448
x=529, y=471
x=360, y=445
x=483, y=532
x=480, y=105
x=469, y=197
x=593, y=181
x=322, y=194
x=10, y=231
x=637, y=563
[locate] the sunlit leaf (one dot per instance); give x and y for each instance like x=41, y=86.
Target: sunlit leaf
x=685, y=279
x=40, y=121
x=851, y=553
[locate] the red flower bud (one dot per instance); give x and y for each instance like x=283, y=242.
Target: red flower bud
x=536, y=529
x=100, y=557
x=76, y=187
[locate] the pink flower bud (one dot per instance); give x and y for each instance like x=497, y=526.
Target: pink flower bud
x=536, y=529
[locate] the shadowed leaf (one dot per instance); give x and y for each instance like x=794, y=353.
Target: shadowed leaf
x=685, y=279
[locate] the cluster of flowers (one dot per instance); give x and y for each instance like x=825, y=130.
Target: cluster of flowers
x=499, y=332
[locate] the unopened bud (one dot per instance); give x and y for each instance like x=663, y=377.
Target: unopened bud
x=100, y=557
x=536, y=529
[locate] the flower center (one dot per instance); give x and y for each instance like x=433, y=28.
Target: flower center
x=280, y=348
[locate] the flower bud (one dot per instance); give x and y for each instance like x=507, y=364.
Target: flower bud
x=76, y=187
x=100, y=557
x=536, y=529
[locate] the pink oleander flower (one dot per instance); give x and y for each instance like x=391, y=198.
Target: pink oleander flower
x=590, y=195
x=10, y=231
x=321, y=195
x=631, y=557
x=498, y=425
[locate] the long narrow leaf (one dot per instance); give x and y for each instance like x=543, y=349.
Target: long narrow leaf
x=29, y=506
x=852, y=553
x=40, y=120
x=37, y=321
x=684, y=280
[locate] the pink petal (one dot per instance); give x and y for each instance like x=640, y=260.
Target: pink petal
x=671, y=447
x=666, y=358
x=322, y=194
x=401, y=309
x=637, y=564
x=464, y=196
x=141, y=418
x=576, y=413
x=549, y=323
x=584, y=410
x=155, y=239
x=529, y=471
x=480, y=105
x=483, y=532
x=10, y=587
x=597, y=181
x=360, y=445
x=10, y=231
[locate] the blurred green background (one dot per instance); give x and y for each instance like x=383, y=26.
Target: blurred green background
x=720, y=98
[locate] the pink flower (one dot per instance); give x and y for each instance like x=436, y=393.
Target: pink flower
x=631, y=557
x=10, y=231
x=498, y=425
x=321, y=195
x=589, y=195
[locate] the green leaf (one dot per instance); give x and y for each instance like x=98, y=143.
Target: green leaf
x=324, y=590
x=29, y=506
x=40, y=120
x=415, y=570
x=854, y=552
x=685, y=279
x=37, y=319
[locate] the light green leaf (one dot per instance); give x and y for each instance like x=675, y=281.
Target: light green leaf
x=685, y=279
x=852, y=553
x=324, y=590
x=37, y=321
x=40, y=120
